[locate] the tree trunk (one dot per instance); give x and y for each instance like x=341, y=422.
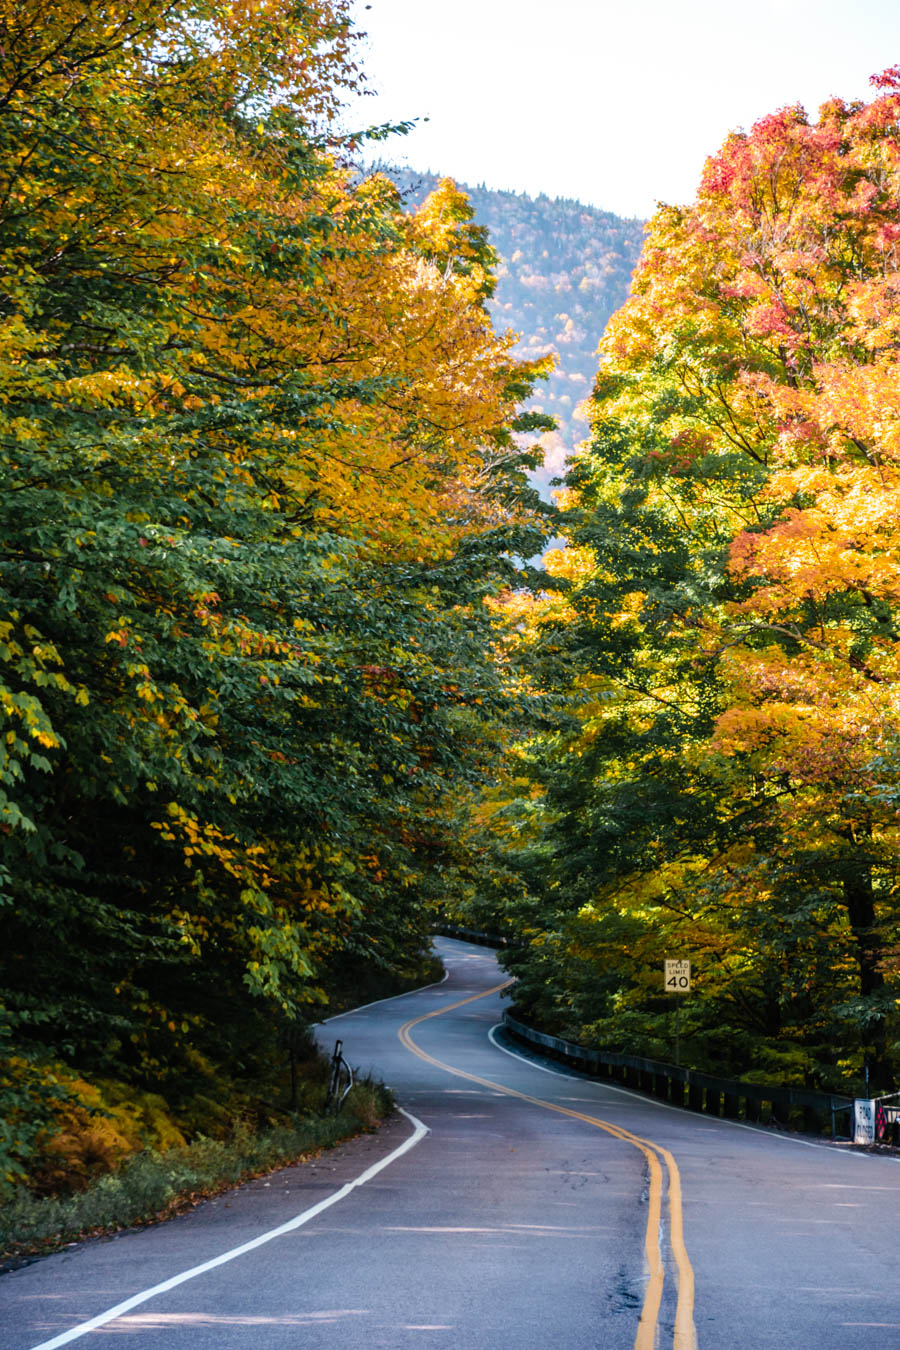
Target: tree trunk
x=859, y=899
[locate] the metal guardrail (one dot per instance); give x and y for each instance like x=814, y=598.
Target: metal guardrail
x=788, y=1107
x=770, y=1103
x=453, y=930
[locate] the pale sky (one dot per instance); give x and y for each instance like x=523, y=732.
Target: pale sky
x=615, y=103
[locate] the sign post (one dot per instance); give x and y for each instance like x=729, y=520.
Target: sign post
x=677, y=980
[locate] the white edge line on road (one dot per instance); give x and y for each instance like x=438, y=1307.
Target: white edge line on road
x=390, y=998
x=120, y=1309
x=666, y=1106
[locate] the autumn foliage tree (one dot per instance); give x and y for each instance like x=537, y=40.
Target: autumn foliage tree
x=731, y=791
x=257, y=477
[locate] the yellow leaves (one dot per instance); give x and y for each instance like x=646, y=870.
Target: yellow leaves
x=575, y=564
x=849, y=540
x=440, y=224
x=814, y=716
x=629, y=614
x=110, y=388
x=48, y=739
x=29, y=661
x=202, y=840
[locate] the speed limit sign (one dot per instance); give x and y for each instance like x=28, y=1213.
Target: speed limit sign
x=677, y=977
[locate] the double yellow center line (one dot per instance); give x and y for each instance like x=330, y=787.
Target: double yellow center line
x=685, y=1336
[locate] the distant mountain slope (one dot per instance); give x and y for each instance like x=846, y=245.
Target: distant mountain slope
x=565, y=268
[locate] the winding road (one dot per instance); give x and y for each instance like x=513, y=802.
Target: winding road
x=510, y=1205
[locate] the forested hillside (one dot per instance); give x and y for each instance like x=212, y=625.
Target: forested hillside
x=563, y=269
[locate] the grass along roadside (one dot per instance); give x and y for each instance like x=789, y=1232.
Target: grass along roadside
x=152, y=1186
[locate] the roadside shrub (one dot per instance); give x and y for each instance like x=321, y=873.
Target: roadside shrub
x=152, y=1184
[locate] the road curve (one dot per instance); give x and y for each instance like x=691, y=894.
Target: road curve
x=513, y=1206
x=648, y=1325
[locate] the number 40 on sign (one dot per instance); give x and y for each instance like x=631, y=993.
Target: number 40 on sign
x=678, y=977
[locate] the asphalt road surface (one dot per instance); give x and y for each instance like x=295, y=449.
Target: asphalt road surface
x=511, y=1206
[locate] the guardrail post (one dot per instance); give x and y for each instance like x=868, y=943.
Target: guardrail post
x=341, y=1080
x=837, y=1131
x=713, y=1098
x=751, y=1108
x=695, y=1096
x=731, y=1105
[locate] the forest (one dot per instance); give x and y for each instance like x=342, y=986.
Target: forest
x=263, y=483
x=279, y=694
